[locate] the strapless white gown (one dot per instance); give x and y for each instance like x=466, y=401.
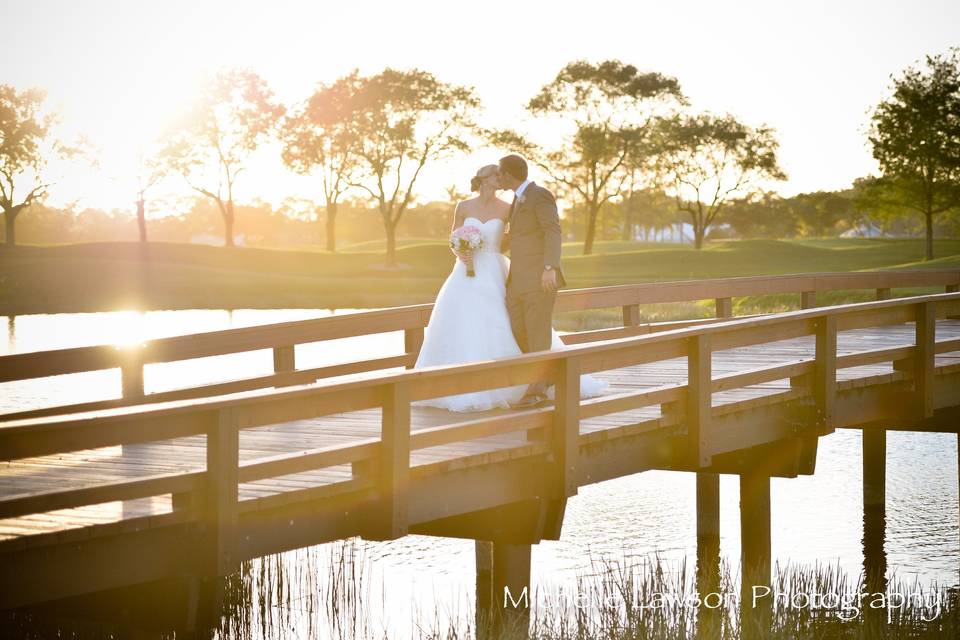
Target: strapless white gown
x=470, y=323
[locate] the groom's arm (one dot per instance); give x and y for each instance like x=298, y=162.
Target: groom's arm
x=549, y=220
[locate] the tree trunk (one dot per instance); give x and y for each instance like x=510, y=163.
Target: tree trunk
x=142, y=219
x=228, y=224
x=331, y=226
x=10, y=217
x=391, y=257
x=627, y=234
x=928, y=243
x=591, y=230
x=699, y=232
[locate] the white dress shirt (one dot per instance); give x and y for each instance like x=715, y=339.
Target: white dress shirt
x=519, y=191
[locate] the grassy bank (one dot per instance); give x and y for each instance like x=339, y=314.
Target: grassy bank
x=106, y=276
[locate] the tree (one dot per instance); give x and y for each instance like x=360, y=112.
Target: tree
x=915, y=135
x=26, y=146
x=401, y=121
x=705, y=160
x=230, y=119
x=149, y=175
x=609, y=107
x=318, y=138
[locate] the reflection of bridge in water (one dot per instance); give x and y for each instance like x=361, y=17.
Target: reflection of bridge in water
x=187, y=484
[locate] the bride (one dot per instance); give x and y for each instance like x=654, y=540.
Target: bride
x=470, y=322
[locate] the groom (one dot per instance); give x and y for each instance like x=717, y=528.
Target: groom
x=535, y=274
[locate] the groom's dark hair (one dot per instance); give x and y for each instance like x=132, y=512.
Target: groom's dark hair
x=515, y=166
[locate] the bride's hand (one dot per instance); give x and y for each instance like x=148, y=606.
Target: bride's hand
x=466, y=257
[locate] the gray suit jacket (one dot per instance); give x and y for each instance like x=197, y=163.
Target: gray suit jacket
x=534, y=240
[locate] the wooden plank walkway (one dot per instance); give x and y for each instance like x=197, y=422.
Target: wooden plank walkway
x=96, y=466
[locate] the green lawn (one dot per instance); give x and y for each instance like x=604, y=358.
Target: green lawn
x=101, y=276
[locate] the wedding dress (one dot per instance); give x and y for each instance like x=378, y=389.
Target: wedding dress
x=470, y=323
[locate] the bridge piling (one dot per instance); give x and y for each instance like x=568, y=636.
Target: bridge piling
x=874, y=523
x=755, y=598
x=510, y=610
x=708, y=551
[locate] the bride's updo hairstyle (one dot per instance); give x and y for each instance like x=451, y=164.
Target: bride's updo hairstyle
x=482, y=173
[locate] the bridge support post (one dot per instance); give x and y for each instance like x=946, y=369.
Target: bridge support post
x=708, y=551
x=483, y=619
x=756, y=597
x=510, y=604
x=223, y=461
x=874, y=524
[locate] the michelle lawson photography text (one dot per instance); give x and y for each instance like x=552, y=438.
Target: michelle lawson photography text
x=926, y=604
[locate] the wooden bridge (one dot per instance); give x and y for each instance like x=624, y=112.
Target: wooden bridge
x=146, y=487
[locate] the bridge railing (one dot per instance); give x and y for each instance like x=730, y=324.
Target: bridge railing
x=282, y=337
x=382, y=465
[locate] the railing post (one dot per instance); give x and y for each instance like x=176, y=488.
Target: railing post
x=223, y=461
x=284, y=358
x=825, y=371
x=808, y=299
x=883, y=293
x=131, y=374
x=394, y=460
x=724, y=307
x=566, y=424
x=412, y=341
x=631, y=315
x=923, y=362
x=952, y=288
x=699, y=397
x=131, y=387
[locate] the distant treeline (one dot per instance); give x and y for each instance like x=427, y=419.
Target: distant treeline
x=302, y=225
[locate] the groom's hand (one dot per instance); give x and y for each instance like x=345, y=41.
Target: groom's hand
x=549, y=280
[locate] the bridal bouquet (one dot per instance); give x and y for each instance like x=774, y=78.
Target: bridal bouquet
x=467, y=238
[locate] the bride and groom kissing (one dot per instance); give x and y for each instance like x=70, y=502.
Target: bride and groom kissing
x=493, y=307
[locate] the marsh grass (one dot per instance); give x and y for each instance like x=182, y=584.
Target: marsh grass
x=315, y=596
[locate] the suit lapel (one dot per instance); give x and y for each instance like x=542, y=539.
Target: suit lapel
x=522, y=202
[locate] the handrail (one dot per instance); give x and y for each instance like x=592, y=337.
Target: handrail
x=385, y=461
x=437, y=381
x=414, y=318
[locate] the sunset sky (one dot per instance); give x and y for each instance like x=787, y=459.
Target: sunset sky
x=118, y=71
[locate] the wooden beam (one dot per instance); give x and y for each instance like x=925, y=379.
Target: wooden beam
x=412, y=341
x=699, y=398
x=708, y=552
x=925, y=350
x=483, y=553
x=808, y=299
x=220, y=508
x=395, y=461
x=724, y=307
x=566, y=426
x=511, y=590
x=284, y=358
x=756, y=597
x=631, y=315
x=825, y=372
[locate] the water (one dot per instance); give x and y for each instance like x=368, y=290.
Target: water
x=815, y=519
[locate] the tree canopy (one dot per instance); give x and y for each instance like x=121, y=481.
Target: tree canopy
x=704, y=160
x=915, y=136
x=234, y=114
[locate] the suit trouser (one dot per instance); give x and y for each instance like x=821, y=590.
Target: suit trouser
x=531, y=317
